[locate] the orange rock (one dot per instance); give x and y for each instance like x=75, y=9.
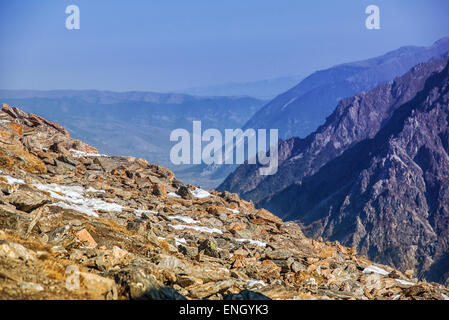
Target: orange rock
x=84, y=236
x=159, y=190
x=268, y=216
x=268, y=269
x=16, y=128
x=142, y=162
x=237, y=226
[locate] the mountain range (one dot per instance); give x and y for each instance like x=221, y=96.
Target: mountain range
x=374, y=176
x=302, y=109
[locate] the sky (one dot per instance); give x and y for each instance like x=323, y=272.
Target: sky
x=166, y=45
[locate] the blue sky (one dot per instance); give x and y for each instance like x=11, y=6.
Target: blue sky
x=163, y=45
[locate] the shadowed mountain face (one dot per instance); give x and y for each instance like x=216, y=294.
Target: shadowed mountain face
x=387, y=195
x=302, y=109
x=137, y=123
x=355, y=119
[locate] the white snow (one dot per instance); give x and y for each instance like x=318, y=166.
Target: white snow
x=200, y=193
x=445, y=297
x=374, y=269
x=396, y=297
x=90, y=189
x=174, y=195
x=140, y=212
x=72, y=198
x=197, y=228
x=183, y=219
x=11, y=180
x=233, y=210
x=179, y=241
x=252, y=283
x=256, y=242
x=77, y=154
x=406, y=283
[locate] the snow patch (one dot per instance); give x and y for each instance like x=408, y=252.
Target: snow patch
x=72, y=198
x=77, y=154
x=11, y=180
x=197, y=228
x=374, y=269
x=179, y=241
x=200, y=193
x=174, y=195
x=253, y=283
x=233, y=210
x=256, y=242
x=183, y=219
x=405, y=283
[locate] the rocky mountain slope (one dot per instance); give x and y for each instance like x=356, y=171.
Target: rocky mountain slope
x=387, y=196
x=75, y=224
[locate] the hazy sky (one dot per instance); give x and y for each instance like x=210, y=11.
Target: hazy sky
x=163, y=45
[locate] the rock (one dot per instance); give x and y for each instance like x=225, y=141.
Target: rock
x=84, y=236
x=187, y=281
x=28, y=199
x=118, y=253
x=210, y=248
x=188, y=251
x=184, y=192
x=159, y=190
x=12, y=250
x=67, y=159
x=278, y=254
x=170, y=262
x=136, y=282
x=208, y=289
x=268, y=216
x=137, y=226
x=63, y=167
x=99, y=287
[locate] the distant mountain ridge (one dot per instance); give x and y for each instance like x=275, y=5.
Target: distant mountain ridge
x=300, y=110
x=136, y=122
x=262, y=89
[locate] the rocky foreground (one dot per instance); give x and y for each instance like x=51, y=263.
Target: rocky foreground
x=127, y=229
